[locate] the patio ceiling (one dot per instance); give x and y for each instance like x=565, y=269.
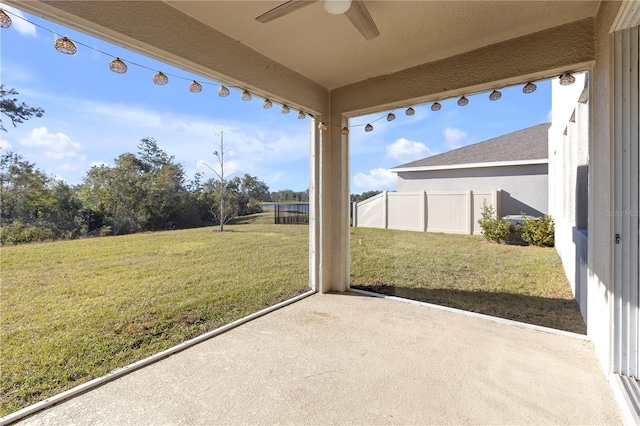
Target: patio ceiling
x=330, y=51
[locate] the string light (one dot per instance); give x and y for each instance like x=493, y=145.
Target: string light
x=223, y=92
x=344, y=131
x=529, y=88
x=5, y=21
x=323, y=126
x=391, y=116
x=267, y=104
x=495, y=95
x=301, y=115
x=118, y=66
x=160, y=79
x=285, y=109
x=66, y=46
x=368, y=128
x=246, y=96
x=567, y=79
x=410, y=111
x=436, y=106
x=195, y=87
x=463, y=101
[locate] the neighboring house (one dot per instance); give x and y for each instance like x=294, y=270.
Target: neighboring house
x=515, y=163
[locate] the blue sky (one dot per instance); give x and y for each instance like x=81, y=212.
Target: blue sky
x=92, y=115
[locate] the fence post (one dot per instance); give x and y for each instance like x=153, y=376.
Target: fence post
x=385, y=210
x=496, y=197
x=354, y=214
x=424, y=211
x=469, y=212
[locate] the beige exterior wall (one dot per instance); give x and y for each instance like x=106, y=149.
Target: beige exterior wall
x=523, y=188
x=568, y=174
x=600, y=227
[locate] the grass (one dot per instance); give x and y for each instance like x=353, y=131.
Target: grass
x=525, y=284
x=74, y=310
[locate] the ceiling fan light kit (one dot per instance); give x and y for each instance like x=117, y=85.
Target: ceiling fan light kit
x=336, y=7
x=354, y=10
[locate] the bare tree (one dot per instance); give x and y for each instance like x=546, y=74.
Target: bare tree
x=222, y=214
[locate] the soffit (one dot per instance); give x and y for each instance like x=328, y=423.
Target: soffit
x=328, y=50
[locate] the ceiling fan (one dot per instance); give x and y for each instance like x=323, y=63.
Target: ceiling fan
x=355, y=10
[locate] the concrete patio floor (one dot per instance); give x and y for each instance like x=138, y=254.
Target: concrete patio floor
x=353, y=359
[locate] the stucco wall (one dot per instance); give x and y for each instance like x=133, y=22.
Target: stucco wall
x=524, y=188
x=600, y=227
x=568, y=173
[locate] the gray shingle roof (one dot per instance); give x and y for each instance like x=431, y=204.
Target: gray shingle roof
x=527, y=144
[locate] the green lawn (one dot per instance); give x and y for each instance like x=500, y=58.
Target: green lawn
x=74, y=310
x=521, y=283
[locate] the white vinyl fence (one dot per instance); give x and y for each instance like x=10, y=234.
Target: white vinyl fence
x=450, y=212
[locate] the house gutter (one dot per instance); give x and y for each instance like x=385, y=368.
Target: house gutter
x=470, y=165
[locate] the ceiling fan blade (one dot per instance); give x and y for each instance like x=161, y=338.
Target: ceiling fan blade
x=283, y=9
x=362, y=20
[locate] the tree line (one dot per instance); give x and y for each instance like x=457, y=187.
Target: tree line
x=146, y=191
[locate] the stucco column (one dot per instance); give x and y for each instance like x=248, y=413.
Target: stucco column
x=334, y=208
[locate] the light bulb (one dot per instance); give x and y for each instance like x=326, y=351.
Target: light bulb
x=567, y=79
x=495, y=95
x=195, y=87
x=223, y=91
x=337, y=7
x=160, y=79
x=529, y=88
x=118, y=66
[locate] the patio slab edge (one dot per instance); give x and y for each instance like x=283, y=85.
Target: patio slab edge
x=474, y=315
x=112, y=375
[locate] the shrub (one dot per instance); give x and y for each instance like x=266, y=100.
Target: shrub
x=493, y=228
x=537, y=231
x=105, y=231
x=19, y=233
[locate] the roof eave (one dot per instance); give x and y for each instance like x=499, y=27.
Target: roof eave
x=470, y=165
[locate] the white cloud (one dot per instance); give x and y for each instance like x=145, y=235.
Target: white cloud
x=99, y=164
x=405, y=150
x=248, y=143
x=231, y=169
x=57, y=146
x=376, y=179
x=22, y=26
x=4, y=144
x=455, y=138
x=256, y=147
